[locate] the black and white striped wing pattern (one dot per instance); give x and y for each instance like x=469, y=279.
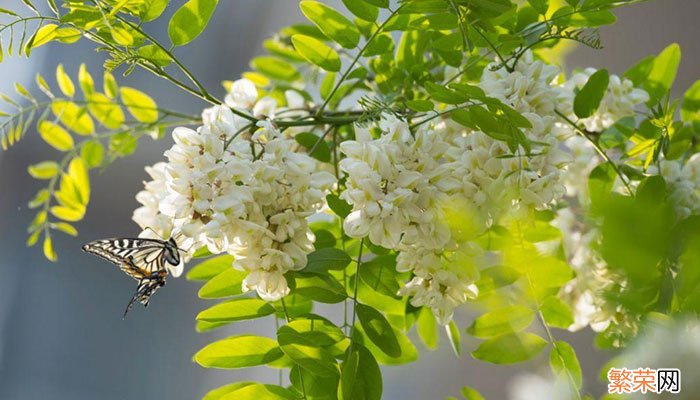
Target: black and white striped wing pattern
x=142, y=259
x=138, y=258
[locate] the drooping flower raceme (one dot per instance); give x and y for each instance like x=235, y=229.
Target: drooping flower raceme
x=247, y=195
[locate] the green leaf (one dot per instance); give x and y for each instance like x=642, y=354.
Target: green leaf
x=310, y=141
x=362, y=10
x=275, y=68
x=49, y=252
x=317, y=53
x=44, y=35
x=74, y=117
x=563, y=360
x=319, y=330
x=219, y=393
x=111, y=87
x=306, y=352
x=510, y=348
x=44, y=170
x=556, y=313
x=427, y=328
x=122, y=144
x=445, y=95
x=189, y=21
x=93, y=153
x=259, y=391
x=327, y=259
x=380, y=275
x=78, y=173
x=541, y=6
x=140, y=105
x=152, y=9
x=332, y=23
x=236, y=310
x=663, y=73
x=420, y=105
x=321, y=288
x=210, y=268
x=600, y=183
x=68, y=35
x=471, y=394
x=378, y=3
x=382, y=43
x=690, y=109
x=64, y=82
x=315, y=387
x=239, y=352
x=226, y=284
x=588, y=99
x=454, y=337
x=513, y=318
x=339, y=206
x=107, y=113
x=67, y=214
x=378, y=330
x=122, y=36
x=87, y=84
x=155, y=55
x=55, y=136
x=65, y=228
x=361, y=378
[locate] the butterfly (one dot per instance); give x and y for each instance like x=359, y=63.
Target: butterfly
x=147, y=260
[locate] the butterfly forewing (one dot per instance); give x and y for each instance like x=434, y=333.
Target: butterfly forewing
x=141, y=259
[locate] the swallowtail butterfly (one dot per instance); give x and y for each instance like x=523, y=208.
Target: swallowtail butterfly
x=147, y=260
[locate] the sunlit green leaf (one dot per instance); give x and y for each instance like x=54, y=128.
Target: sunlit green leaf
x=316, y=52
x=189, y=21
x=64, y=82
x=332, y=23
x=239, y=352
x=107, y=113
x=140, y=105
x=74, y=117
x=210, y=268
x=236, y=310
x=226, y=284
x=44, y=170
x=563, y=360
x=55, y=136
x=556, y=313
x=323, y=260
x=361, y=378
x=259, y=391
x=513, y=318
x=378, y=330
x=306, y=352
x=510, y=348
x=49, y=252
x=427, y=328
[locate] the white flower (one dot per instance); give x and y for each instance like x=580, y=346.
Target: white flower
x=619, y=101
x=243, y=94
x=247, y=196
x=683, y=181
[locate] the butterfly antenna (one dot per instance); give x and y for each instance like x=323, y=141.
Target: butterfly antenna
x=152, y=230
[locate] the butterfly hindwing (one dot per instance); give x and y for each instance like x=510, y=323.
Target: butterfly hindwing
x=141, y=259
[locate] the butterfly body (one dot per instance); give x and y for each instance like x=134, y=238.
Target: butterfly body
x=146, y=260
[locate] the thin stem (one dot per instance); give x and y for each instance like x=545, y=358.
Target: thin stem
x=552, y=341
x=286, y=316
x=598, y=149
x=321, y=139
x=356, y=59
x=354, y=297
x=202, y=90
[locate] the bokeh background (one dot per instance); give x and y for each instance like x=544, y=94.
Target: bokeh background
x=61, y=332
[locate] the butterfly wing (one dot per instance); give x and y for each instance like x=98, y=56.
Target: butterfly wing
x=141, y=259
x=146, y=288
x=138, y=258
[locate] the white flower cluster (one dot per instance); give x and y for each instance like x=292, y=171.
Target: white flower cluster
x=247, y=195
x=684, y=183
x=586, y=293
x=399, y=185
x=619, y=101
